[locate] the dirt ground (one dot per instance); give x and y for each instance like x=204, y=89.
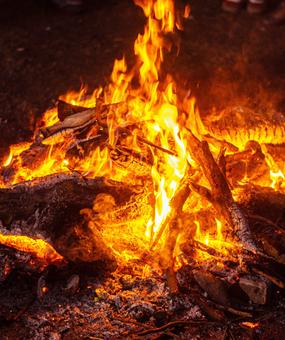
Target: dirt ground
x=225, y=59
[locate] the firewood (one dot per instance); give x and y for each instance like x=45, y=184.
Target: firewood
x=208, y=308
x=264, y=202
x=222, y=199
x=186, y=248
x=71, y=123
x=84, y=247
x=53, y=204
x=176, y=204
x=58, y=195
x=272, y=241
x=65, y=109
x=269, y=276
x=173, y=222
x=249, y=163
x=12, y=259
x=29, y=159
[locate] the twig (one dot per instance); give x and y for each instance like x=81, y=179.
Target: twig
x=271, y=278
x=176, y=204
x=221, y=195
x=177, y=323
x=145, y=141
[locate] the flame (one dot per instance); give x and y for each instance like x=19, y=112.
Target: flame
x=147, y=97
x=39, y=248
x=277, y=179
x=215, y=240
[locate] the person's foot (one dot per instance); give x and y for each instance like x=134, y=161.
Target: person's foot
x=256, y=6
x=233, y=6
x=278, y=16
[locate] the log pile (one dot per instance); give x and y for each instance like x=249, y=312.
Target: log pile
x=58, y=210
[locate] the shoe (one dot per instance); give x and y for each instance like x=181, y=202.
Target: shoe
x=256, y=6
x=278, y=16
x=71, y=5
x=233, y=6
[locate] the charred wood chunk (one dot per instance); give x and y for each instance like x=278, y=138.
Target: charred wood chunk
x=72, y=284
x=65, y=109
x=29, y=159
x=54, y=203
x=56, y=196
x=265, y=202
x=256, y=288
x=17, y=260
x=84, y=247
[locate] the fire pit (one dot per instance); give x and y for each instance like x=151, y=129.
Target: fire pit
x=172, y=222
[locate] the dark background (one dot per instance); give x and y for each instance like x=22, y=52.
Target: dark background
x=44, y=52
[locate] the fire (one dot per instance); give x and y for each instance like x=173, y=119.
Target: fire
x=146, y=97
x=277, y=179
x=41, y=249
x=214, y=240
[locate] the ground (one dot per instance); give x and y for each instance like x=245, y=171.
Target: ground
x=225, y=60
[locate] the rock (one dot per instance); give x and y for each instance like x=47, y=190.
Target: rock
x=72, y=284
x=256, y=288
x=215, y=287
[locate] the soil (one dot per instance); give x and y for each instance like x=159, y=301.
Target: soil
x=45, y=52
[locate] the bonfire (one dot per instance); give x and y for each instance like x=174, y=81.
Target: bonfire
x=133, y=176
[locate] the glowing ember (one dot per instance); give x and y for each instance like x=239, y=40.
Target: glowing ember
x=252, y=325
x=39, y=248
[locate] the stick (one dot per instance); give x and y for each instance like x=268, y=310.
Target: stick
x=176, y=205
x=177, y=323
x=221, y=194
x=271, y=278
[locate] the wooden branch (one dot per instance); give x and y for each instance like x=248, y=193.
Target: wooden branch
x=173, y=222
x=176, y=205
x=71, y=123
x=275, y=280
x=221, y=195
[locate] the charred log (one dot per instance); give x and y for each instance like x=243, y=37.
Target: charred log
x=49, y=210
x=65, y=109
x=221, y=196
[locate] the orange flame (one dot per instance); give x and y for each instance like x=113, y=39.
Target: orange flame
x=151, y=102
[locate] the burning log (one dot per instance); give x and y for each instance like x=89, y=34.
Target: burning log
x=65, y=109
x=263, y=202
x=77, y=121
x=173, y=221
x=25, y=261
x=48, y=210
x=58, y=195
x=220, y=195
